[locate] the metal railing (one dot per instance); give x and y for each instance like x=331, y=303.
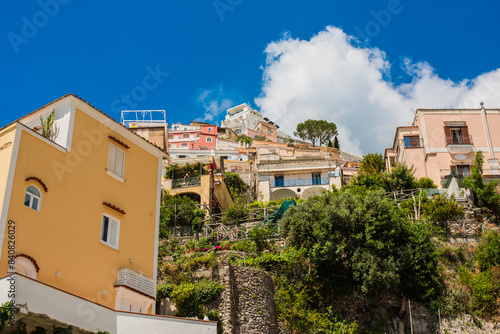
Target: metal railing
x=137, y=281
x=412, y=143
x=299, y=182
x=459, y=141
x=186, y=182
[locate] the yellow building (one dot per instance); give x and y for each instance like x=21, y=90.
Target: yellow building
x=85, y=205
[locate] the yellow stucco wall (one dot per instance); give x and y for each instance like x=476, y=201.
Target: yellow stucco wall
x=6, y=148
x=65, y=235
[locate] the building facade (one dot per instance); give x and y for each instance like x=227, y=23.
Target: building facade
x=196, y=136
x=85, y=204
x=282, y=171
x=443, y=142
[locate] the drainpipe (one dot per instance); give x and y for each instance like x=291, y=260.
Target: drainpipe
x=492, y=160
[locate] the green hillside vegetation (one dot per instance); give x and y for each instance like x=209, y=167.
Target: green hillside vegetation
x=357, y=242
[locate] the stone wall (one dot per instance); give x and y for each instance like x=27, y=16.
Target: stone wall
x=247, y=304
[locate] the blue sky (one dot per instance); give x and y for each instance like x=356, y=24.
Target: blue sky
x=292, y=60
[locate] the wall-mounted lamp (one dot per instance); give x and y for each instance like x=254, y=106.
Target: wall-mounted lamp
x=131, y=261
x=58, y=274
x=104, y=292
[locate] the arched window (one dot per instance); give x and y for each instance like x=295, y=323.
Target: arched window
x=33, y=198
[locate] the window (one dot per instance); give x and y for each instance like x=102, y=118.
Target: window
x=316, y=178
x=457, y=135
x=110, y=231
x=268, y=131
x=209, y=129
x=116, y=160
x=33, y=198
x=184, y=144
x=412, y=141
x=209, y=139
x=279, y=181
x=186, y=135
x=170, y=136
x=461, y=170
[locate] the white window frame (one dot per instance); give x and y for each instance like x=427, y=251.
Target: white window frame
x=107, y=242
x=39, y=198
x=207, y=139
x=111, y=169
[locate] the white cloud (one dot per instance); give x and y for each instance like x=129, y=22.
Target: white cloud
x=214, y=103
x=327, y=77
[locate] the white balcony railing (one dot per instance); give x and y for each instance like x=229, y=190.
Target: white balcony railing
x=137, y=281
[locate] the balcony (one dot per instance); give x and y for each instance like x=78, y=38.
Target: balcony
x=299, y=182
x=459, y=145
x=186, y=182
x=411, y=142
x=137, y=281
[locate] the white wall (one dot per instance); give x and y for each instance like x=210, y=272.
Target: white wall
x=64, y=114
x=62, y=306
x=129, y=323
x=43, y=299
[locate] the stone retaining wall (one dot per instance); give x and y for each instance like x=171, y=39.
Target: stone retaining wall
x=247, y=304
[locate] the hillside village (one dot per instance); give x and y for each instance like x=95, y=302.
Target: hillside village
x=151, y=226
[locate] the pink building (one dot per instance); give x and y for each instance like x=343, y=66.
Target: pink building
x=196, y=136
x=442, y=142
x=263, y=129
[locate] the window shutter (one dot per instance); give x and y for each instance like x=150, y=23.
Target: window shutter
x=120, y=157
x=112, y=158
x=113, y=233
x=465, y=135
x=447, y=134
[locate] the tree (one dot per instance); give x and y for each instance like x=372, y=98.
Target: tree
x=244, y=139
x=426, y=183
x=260, y=137
x=485, y=195
x=372, y=163
x=179, y=211
x=236, y=184
x=336, y=143
x=363, y=242
x=371, y=174
x=401, y=177
x=316, y=130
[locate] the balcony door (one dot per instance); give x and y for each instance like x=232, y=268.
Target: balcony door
x=457, y=135
x=316, y=178
x=279, y=181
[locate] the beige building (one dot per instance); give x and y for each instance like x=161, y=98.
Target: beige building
x=283, y=171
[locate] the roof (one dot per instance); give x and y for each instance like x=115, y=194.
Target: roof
x=111, y=118
x=454, y=109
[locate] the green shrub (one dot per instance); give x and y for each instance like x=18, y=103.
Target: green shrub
x=237, y=211
x=484, y=287
x=488, y=250
x=246, y=246
x=5, y=310
x=190, y=297
x=259, y=236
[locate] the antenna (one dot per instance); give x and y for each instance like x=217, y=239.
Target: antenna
x=413, y=111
